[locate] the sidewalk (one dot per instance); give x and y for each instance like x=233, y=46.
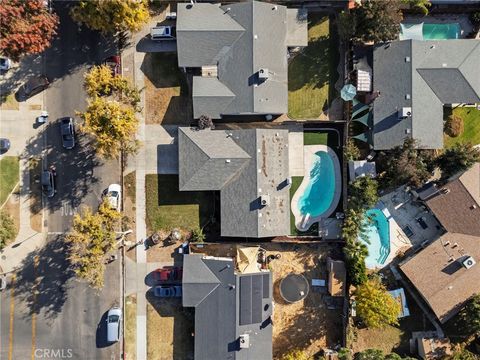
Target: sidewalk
x=27, y=240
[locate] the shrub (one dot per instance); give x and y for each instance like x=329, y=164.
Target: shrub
x=296, y=355
x=7, y=229
x=475, y=18
x=197, y=235
x=205, y=122
x=454, y=126
x=351, y=151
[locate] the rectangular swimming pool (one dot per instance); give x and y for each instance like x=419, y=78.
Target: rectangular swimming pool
x=430, y=31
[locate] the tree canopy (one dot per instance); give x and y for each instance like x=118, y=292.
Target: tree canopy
x=375, y=306
x=91, y=238
x=113, y=15
x=363, y=192
x=406, y=164
x=377, y=20
x=112, y=124
x=458, y=158
x=470, y=317
x=26, y=27
x=7, y=229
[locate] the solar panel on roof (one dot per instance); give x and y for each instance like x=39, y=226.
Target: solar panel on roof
x=245, y=300
x=266, y=286
x=257, y=292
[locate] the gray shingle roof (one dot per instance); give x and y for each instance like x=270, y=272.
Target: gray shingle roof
x=258, y=166
x=436, y=73
x=221, y=298
x=248, y=36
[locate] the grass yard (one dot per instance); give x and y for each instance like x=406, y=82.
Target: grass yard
x=8, y=102
x=169, y=330
x=312, y=73
x=129, y=182
x=166, y=93
x=170, y=208
x=9, y=176
x=131, y=327
x=471, y=123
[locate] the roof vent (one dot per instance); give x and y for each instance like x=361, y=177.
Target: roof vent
x=407, y=97
x=227, y=161
x=255, y=36
x=473, y=207
x=407, y=59
x=408, y=131
x=263, y=74
x=275, y=7
x=468, y=262
x=265, y=200
x=444, y=65
x=445, y=191
x=432, y=47
x=406, y=112
x=244, y=341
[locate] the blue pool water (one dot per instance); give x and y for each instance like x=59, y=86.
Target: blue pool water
x=318, y=194
x=377, y=231
x=430, y=31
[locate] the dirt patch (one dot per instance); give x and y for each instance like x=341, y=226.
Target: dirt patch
x=129, y=211
x=36, y=216
x=130, y=327
x=306, y=325
x=169, y=329
x=165, y=251
x=167, y=99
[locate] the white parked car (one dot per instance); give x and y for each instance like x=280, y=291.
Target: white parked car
x=114, y=319
x=114, y=196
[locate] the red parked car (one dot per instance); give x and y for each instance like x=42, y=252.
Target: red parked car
x=168, y=274
x=115, y=63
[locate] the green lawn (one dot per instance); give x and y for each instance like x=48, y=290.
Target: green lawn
x=312, y=74
x=471, y=122
x=9, y=176
x=170, y=208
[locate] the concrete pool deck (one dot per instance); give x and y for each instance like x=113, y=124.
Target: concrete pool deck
x=304, y=221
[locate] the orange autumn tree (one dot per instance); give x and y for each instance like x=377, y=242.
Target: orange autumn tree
x=26, y=27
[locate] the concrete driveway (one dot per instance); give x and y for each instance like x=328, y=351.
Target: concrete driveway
x=161, y=149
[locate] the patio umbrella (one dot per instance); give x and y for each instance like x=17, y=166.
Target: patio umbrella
x=348, y=92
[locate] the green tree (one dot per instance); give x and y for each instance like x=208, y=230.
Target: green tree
x=100, y=81
x=355, y=255
x=8, y=231
x=296, y=355
x=421, y=6
x=112, y=16
x=458, y=158
x=26, y=27
x=197, y=235
x=113, y=125
x=377, y=21
x=470, y=317
x=92, y=237
x=460, y=353
x=370, y=354
x=346, y=25
x=375, y=305
x=351, y=151
x=363, y=192
x=344, y=354
x=406, y=164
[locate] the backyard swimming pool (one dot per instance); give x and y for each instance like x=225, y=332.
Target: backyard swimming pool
x=377, y=231
x=319, y=193
x=430, y=31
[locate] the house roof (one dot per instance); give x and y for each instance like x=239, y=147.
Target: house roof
x=438, y=274
x=258, y=165
x=457, y=204
x=227, y=305
x=423, y=76
x=239, y=39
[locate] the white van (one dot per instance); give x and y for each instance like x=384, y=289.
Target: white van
x=114, y=320
x=162, y=33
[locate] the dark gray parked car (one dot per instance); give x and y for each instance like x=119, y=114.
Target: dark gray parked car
x=32, y=87
x=4, y=145
x=67, y=131
x=48, y=183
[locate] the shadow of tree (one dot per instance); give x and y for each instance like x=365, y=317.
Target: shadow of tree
x=43, y=281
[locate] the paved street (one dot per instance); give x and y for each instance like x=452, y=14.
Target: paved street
x=82, y=177
x=46, y=308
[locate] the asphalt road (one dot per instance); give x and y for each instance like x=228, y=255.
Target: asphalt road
x=45, y=313
x=46, y=309
x=82, y=176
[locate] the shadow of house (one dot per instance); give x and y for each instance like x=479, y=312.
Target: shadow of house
x=183, y=324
